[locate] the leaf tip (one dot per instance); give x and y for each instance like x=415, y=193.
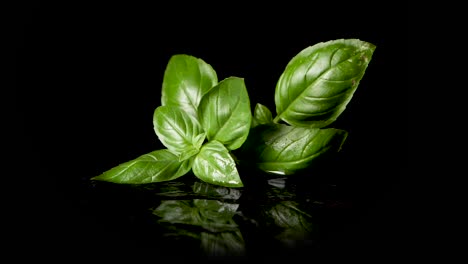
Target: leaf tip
x=343, y=134
x=98, y=178
x=235, y=183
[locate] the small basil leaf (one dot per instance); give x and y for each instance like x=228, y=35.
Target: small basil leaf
x=197, y=143
x=225, y=113
x=214, y=164
x=178, y=131
x=262, y=116
x=186, y=80
x=282, y=149
x=187, y=154
x=318, y=83
x=157, y=166
x=198, y=140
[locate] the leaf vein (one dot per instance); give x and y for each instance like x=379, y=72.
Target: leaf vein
x=314, y=82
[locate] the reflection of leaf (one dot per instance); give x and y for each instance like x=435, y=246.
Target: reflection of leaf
x=175, y=211
x=295, y=224
x=192, y=187
x=223, y=244
x=287, y=215
x=177, y=232
x=211, y=215
x=171, y=189
x=215, y=211
x=220, y=235
x=277, y=182
x=211, y=190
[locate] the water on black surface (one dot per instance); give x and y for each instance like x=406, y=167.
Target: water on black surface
x=271, y=216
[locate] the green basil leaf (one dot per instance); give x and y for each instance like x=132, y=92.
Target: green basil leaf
x=283, y=149
x=178, y=131
x=318, y=83
x=214, y=164
x=225, y=113
x=198, y=140
x=157, y=166
x=186, y=80
x=187, y=154
x=262, y=116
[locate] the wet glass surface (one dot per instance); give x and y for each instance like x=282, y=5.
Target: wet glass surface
x=89, y=80
x=271, y=216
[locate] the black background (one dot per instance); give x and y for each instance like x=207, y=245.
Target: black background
x=88, y=78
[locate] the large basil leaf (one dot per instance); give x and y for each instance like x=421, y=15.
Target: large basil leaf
x=262, y=116
x=157, y=166
x=318, y=83
x=186, y=80
x=283, y=149
x=225, y=113
x=214, y=164
x=178, y=131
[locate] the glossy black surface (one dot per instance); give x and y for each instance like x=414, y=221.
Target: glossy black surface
x=88, y=79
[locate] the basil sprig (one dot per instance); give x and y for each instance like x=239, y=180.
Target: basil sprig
x=202, y=122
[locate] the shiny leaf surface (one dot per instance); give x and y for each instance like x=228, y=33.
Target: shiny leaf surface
x=282, y=149
x=178, y=131
x=214, y=164
x=319, y=82
x=186, y=80
x=225, y=113
x=157, y=166
x=262, y=116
